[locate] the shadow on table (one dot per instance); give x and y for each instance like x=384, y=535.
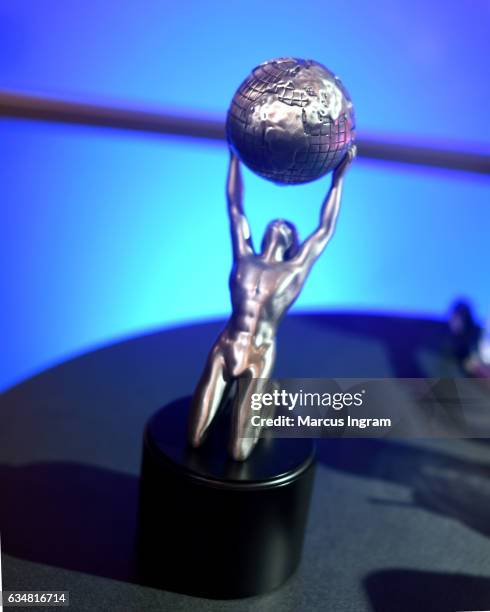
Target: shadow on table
x=69, y=515
x=402, y=338
x=449, y=486
x=417, y=591
x=84, y=518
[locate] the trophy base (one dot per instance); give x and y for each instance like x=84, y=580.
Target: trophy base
x=213, y=527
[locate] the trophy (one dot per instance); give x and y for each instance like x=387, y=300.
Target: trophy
x=222, y=508
x=471, y=343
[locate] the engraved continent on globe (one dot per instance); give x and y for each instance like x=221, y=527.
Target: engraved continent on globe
x=291, y=121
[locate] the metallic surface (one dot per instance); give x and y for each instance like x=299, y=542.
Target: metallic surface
x=20, y=105
x=478, y=363
x=263, y=286
x=291, y=120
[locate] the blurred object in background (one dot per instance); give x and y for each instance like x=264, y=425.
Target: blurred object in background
x=471, y=344
x=484, y=344
x=478, y=363
x=465, y=332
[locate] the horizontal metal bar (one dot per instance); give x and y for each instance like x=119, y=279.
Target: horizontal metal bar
x=25, y=106
x=50, y=109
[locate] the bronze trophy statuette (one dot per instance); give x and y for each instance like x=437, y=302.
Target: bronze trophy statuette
x=222, y=512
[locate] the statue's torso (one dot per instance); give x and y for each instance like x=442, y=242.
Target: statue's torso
x=261, y=293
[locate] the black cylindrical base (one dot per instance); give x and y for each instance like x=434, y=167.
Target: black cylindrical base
x=213, y=527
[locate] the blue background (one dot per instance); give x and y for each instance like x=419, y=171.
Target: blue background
x=106, y=233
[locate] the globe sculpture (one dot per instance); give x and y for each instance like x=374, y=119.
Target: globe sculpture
x=291, y=121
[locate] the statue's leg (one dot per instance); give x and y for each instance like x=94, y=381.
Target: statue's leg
x=244, y=436
x=207, y=396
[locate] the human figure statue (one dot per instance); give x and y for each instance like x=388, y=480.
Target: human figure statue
x=263, y=286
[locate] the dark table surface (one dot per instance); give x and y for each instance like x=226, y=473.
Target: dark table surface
x=393, y=526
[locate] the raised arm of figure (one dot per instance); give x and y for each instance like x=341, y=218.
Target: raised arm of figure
x=314, y=245
x=240, y=230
